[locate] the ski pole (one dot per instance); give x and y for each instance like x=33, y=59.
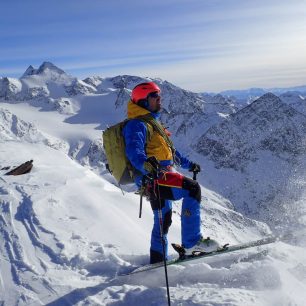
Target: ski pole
x=140, y=207
x=142, y=192
x=161, y=226
x=141, y=195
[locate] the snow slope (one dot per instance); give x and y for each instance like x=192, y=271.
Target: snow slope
x=67, y=230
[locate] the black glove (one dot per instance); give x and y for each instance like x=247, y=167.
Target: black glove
x=151, y=165
x=194, y=167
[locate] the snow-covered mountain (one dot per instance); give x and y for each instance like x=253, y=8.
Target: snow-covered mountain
x=66, y=229
x=48, y=87
x=265, y=145
x=290, y=95
x=266, y=124
x=296, y=100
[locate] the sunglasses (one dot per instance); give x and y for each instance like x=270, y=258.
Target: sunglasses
x=154, y=95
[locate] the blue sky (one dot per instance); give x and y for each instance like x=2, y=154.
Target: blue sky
x=200, y=45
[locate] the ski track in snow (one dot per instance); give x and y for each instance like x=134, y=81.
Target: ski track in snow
x=26, y=215
x=13, y=248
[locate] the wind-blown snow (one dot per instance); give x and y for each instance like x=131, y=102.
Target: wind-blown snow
x=67, y=230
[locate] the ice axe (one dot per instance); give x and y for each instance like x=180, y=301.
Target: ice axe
x=195, y=169
x=195, y=175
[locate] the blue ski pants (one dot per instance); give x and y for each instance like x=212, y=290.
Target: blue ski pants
x=175, y=186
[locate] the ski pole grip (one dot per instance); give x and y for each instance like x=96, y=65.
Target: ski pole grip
x=195, y=175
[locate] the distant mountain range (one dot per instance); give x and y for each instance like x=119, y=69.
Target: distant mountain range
x=253, y=93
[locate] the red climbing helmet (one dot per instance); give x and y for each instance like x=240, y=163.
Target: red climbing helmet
x=141, y=91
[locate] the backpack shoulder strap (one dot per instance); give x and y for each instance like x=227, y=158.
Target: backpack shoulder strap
x=149, y=126
x=150, y=131
x=155, y=125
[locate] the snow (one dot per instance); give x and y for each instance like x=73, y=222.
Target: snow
x=67, y=231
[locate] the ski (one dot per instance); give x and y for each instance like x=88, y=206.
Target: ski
x=222, y=250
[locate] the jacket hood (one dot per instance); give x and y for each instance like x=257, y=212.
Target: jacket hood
x=134, y=110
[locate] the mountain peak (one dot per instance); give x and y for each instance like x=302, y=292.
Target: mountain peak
x=268, y=100
x=45, y=66
x=30, y=71
x=268, y=96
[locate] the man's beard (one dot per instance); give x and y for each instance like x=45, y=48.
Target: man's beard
x=158, y=108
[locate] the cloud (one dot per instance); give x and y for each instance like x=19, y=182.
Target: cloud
x=213, y=42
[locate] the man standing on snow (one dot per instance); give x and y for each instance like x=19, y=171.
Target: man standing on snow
x=155, y=155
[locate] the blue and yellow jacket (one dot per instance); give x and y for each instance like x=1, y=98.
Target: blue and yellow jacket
x=138, y=149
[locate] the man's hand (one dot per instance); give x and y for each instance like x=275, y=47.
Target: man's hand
x=151, y=165
x=194, y=167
